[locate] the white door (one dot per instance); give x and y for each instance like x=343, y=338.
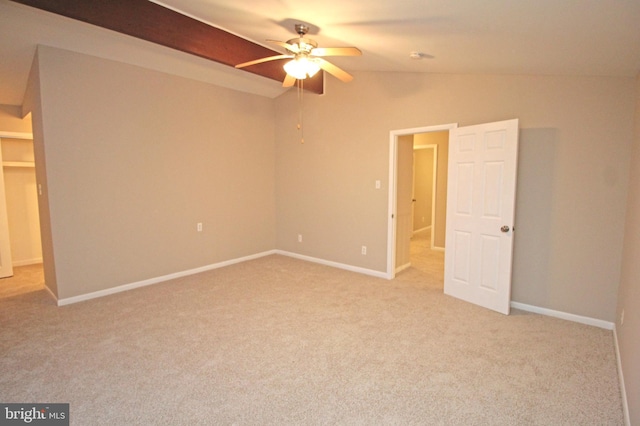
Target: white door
x=480, y=213
x=6, y=266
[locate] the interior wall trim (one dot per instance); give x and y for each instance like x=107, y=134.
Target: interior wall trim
x=27, y=262
x=163, y=278
x=333, y=264
x=392, y=184
x=607, y=325
x=623, y=388
x=156, y=280
x=16, y=135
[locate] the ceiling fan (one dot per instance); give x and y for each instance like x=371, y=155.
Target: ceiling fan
x=306, y=58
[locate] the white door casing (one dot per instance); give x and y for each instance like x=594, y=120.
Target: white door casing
x=480, y=213
x=392, y=224
x=6, y=264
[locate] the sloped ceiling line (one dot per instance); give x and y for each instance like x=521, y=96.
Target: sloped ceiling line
x=151, y=22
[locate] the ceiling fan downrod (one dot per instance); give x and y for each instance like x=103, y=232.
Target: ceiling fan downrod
x=302, y=29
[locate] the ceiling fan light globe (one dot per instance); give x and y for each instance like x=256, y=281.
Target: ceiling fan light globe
x=312, y=68
x=301, y=68
x=294, y=69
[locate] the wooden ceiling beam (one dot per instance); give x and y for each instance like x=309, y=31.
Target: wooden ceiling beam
x=151, y=22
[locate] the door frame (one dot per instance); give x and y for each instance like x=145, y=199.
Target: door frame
x=393, y=181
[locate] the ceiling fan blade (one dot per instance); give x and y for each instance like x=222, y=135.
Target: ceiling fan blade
x=290, y=47
x=289, y=81
x=334, y=70
x=267, y=59
x=336, y=51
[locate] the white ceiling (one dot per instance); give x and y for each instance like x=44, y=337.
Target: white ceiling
x=559, y=37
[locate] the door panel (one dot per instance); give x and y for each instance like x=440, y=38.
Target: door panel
x=462, y=254
x=490, y=263
x=464, y=198
x=481, y=194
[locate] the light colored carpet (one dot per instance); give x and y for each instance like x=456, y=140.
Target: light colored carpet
x=25, y=280
x=279, y=341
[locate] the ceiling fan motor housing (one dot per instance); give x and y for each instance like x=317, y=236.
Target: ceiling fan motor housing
x=304, y=45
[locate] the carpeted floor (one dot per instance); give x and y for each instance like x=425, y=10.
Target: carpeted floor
x=25, y=280
x=280, y=341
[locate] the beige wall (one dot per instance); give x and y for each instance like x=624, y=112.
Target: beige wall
x=423, y=188
x=33, y=105
x=575, y=140
x=135, y=158
x=629, y=294
x=441, y=139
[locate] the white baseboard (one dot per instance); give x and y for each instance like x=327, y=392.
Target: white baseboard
x=623, y=388
x=156, y=280
x=588, y=321
x=607, y=325
x=344, y=266
x=26, y=262
x=421, y=229
x=403, y=267
x=53, y=296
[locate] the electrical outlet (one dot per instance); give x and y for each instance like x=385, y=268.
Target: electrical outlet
x=364, y=250
x=299, y=238
x=199, y=226
x=622, y=317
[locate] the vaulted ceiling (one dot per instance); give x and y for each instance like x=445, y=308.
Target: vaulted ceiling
x=559, y=37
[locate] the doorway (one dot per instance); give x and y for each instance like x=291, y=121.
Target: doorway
x=22, y=251
x=425, y=257
x=412, y=240
x=482, y=163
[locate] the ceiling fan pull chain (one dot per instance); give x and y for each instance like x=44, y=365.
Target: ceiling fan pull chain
x=300, y=106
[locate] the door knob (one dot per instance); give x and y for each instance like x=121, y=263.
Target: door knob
x=505, y=228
